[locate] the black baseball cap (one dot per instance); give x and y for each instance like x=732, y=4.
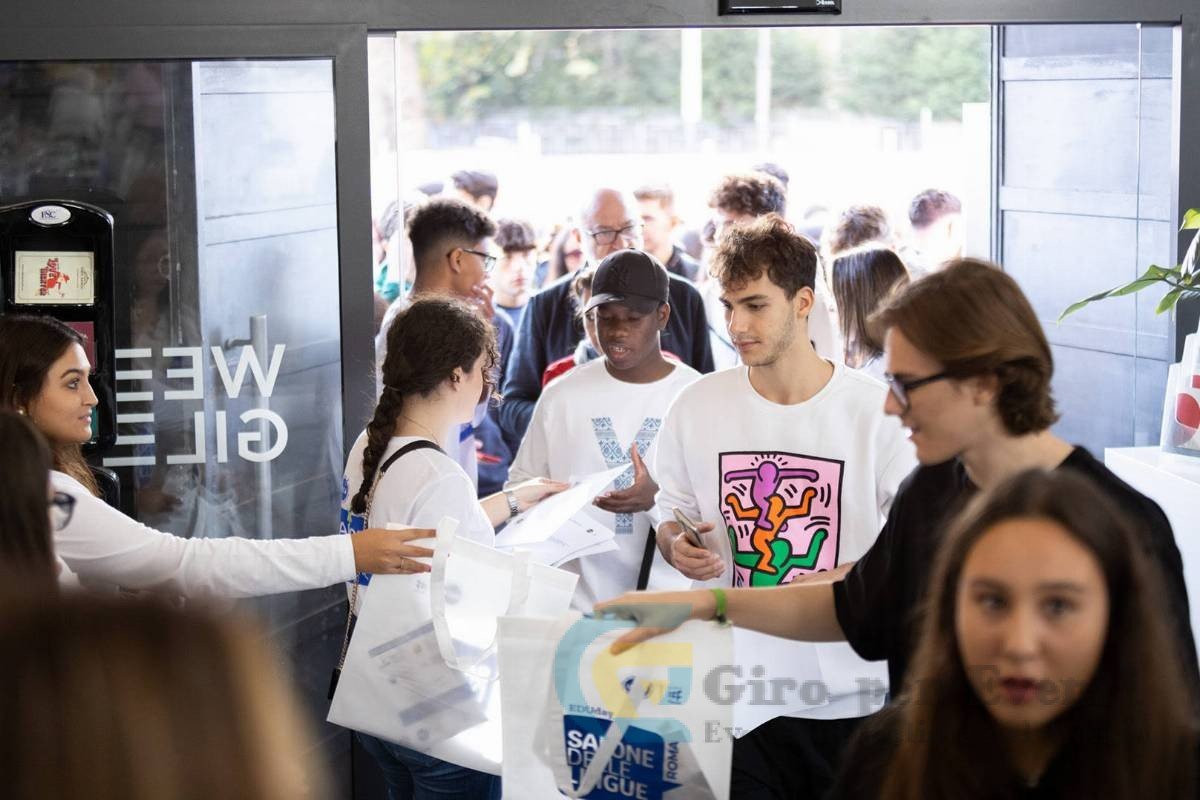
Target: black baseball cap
x=629, y=275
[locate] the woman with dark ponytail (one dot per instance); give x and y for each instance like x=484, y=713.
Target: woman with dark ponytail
x=44, y=373
x=440, y=358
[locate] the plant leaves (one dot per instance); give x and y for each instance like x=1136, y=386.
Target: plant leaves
x=1189, y=258
x=1191, y=220
x=1130, y=288
x=1151, y=276
x=1169, y=300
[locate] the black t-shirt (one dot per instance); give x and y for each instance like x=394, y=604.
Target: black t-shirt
x=867, y=758
x=878, y=601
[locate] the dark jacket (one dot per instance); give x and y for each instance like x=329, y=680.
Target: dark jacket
x=682, y=264
x=550, y=330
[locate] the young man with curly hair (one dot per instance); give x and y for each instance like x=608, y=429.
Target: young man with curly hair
x=741, y=198
x=794, y=464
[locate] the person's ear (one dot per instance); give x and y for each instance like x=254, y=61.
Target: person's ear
x=984, y=389
x=802, y=302
x=664, y=316
x=454, y=260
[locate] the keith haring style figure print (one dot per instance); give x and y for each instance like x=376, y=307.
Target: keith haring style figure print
x=782, y=513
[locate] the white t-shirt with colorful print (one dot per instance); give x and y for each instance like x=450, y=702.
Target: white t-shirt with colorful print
x=792, y=489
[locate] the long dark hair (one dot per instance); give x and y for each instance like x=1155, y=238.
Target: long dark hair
x=1125, y=742
x=25, y=465
x=425, y=344
x=862, y=279
x=29, y=346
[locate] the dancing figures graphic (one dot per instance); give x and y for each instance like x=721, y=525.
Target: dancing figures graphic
x=782, y=512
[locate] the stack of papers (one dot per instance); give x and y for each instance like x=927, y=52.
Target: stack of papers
x=559, y=529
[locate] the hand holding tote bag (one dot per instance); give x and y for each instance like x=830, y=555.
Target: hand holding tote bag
x=421, y=666
x=581, y=723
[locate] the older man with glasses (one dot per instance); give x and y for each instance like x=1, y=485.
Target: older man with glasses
x=550, y=329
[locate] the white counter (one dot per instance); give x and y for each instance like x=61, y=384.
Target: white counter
x=1173, y=482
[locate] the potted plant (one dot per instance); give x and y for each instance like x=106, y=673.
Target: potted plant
x=1181, y=406
x=1183, y=280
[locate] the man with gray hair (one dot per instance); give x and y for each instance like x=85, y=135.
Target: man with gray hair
x=551, y=329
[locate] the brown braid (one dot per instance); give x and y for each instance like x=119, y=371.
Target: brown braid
x=425, y=344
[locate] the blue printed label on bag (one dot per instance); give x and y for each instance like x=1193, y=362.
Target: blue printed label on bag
x=349, y=522
x=643, y=767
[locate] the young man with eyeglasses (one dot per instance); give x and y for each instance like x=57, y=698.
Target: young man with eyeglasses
x=970, y=372
x=550, y=329
x=453, y=253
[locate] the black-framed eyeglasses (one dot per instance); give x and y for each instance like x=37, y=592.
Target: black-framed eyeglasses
x=62, y=507
x=606, y=236
x=902, y=389
x=489, y=260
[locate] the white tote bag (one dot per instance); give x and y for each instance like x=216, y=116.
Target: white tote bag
x=582, y=723
x=421, y=668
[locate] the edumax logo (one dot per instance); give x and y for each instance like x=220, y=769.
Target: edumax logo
x=628, y=688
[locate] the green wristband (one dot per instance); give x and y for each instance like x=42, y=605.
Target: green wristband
x=720, y=615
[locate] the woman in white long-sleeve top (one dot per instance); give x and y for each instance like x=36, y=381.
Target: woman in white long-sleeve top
x=44, y=376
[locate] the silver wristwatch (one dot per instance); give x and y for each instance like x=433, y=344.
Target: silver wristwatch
x=513, y=507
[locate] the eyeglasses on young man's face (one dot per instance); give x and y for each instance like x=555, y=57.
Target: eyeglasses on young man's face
x=62, y=507
x=606, y=236
x=489, y=260
x=901, y=389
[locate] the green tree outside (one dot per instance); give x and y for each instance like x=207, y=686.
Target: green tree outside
x=889, y=72
x=895, y=72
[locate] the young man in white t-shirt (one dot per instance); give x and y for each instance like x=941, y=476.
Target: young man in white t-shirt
x=790, y=466
x=607, y=412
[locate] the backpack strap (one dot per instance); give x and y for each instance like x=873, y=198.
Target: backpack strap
x=647, y=560
x=419, y=444
x=411, y=447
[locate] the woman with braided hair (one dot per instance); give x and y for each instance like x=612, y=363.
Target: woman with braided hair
x=441, y=356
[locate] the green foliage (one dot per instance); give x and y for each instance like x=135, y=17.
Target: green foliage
x=468, y=75
x=798, y=72
x=1183, y=280
x=895, y=72
x=887, y=72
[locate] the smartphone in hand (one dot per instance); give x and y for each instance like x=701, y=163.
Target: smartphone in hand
x=690, y=529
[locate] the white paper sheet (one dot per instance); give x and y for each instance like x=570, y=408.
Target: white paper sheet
x=545, y=519
x=579, y=536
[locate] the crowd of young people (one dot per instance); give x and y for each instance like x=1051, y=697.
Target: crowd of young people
x=886, y=490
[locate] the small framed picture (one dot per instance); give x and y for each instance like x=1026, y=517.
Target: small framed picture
x=55, y=278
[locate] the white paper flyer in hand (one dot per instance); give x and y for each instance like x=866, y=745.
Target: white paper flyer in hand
x=545, y=519
x=580, y=536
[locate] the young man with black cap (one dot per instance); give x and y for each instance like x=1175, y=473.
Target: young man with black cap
x=607, y=412
x=550, y=329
